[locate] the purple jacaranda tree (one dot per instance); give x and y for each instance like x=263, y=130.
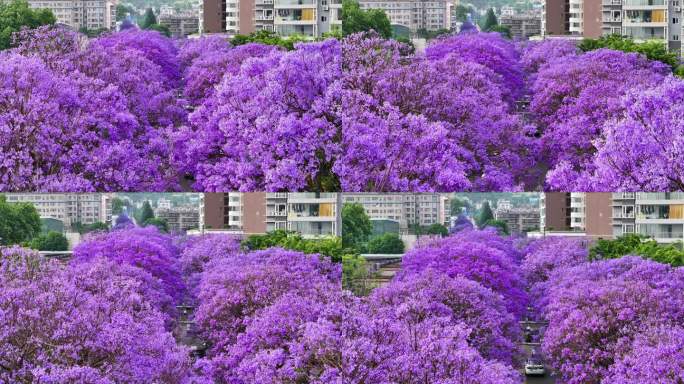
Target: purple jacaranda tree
x=462, y=223
x=199, y=251
x=535, y=54
x=642, y=149
x=109, y=128
x=572, y=98
x=145, y=248
x=207, y=70
x=656, y=356
x=482, y=256
x=494, y=332
x=87, y=323
x=389, y=344
x=152, y=45
x=488, y=49
x=596, y=309
x=232, y=290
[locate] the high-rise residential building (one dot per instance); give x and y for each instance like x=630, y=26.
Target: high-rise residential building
x=572, y=17
x=554, y=211
x=81, y=14
x=624, y=212
x=522, y=26
x=407, y=209
x=660, y=216
x=179, y=218
x=180, y=24
x=598, y=218
x=644, y=20
x=577, y=211
x=310, y=214
x=414, y=14
x=309, y=18
x=518, y=220
x=69, y=208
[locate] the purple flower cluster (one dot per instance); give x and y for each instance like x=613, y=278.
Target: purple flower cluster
x=135, y=111
x=609, y=321
x=87, y=323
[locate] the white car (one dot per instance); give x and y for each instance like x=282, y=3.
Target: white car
x=534, y=368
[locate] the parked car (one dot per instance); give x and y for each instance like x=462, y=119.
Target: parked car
x=534, y=368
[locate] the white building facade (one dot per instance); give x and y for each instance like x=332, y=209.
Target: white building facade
x=81, y=14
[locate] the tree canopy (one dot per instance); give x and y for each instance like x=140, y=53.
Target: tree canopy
x=386, y=243
x=356, y=226
x=15, y=14
x=485, y=216
x=19, y=222
x=52, y=241
x=652, y=49
x=354, y=19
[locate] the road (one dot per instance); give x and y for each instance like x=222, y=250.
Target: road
x=539, y=380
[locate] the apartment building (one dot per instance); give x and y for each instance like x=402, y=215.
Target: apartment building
x=179, y=219
x=554, y=211
x=623, y=205
x=81, y=14
x=68, y=208
x=309, y=18
x=407, y=209
x=660, y=216
x=518, y=220
x=522, y=26
x=572, y=17
x=180, y=24
x=310, y=214
x=644, y=20
x=414, y=14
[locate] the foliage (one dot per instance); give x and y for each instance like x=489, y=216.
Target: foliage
x=17, y=14
x=52, y=241
x=123, y=11
x=596, y=310
x=482, y=256
x=457, y=205
x=503, y=30
x=634, y=244
x=485, y=215
x=652, y=49
x=331, y=247
x=146, y=213
x=356, y=275
x=149, y=19
x=152, y=252
x=356, y=226
x=19, y=222
x=355, y=20
x=387, y=243
x=94, y=227
x=161, y=28
x=86, y=323
x=268, y=38
x=437, y=229
x=490, y=21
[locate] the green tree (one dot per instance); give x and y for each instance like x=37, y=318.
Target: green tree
x=161, y=28
x=52, y=241
x=437, y=229
x=355, y=275
x=500, y=225
x=356, y=226
x=330, y=246
x=268, y=38
x=635, y=244
x=117, y=206
x=19, y=222
x=149, y=19
x=486, y=215
x=354, y=20
x=146, y=214
x=389, y=243
x=461, y=12
x=456, y=206
x=97, y=226
x=490, y=20
x=161, y=224
x=652, y=49
x=123, y=11
x=16, y=14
